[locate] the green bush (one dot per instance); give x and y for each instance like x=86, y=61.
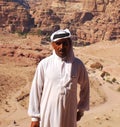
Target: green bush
x=39, y=32
x=21, y=34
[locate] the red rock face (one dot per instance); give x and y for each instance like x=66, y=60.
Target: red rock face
x=89, y=21
x=25, y=55
x=14, y=17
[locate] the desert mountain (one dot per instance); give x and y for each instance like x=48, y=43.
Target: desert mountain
x=14, y=17
x=89, y=20
x=22, y=2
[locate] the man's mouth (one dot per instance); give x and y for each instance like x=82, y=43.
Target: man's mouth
x=62, y=50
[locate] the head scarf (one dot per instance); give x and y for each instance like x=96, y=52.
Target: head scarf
x=60, y=34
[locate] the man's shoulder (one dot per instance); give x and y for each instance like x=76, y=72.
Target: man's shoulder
x=78, y=64
x=46, y=60
x=78, y=61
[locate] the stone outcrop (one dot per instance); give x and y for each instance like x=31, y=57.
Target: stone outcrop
x=14, y=17
x=27, y=55
x=89, y=20
x=22, y=2
x=97, y=65
x=104, y=25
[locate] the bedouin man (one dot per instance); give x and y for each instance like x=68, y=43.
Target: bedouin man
x=53, y=95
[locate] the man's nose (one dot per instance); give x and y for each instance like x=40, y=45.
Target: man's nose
x=61, y=45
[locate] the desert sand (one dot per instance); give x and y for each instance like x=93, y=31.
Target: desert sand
x=17, y=66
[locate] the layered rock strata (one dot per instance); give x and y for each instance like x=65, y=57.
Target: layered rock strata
x=14, y=17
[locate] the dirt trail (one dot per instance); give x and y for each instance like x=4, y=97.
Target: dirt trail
x=14, y=113
x=104, y=115
x=113, y=100
x=108, y=113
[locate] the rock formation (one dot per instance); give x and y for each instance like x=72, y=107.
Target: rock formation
x=22, y=2
x=104, y=25
x=89, y=20
x=14, y=17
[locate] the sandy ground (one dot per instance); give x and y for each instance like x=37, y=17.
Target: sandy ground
x=16, y=76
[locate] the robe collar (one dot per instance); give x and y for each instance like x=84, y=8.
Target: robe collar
x=68, y=59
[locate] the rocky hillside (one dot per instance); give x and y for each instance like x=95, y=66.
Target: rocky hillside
x=89, y=20
x=14, y=17
x=104, y=25
x=22, y=2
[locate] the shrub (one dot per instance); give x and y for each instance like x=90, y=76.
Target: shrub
x=21, y=34
x=114, y=80
x=39, y=32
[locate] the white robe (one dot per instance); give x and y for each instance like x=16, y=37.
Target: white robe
x=53, y=96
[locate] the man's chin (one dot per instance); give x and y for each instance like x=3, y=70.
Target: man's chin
x=62, y=55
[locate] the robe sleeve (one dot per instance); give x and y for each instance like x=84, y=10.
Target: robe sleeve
x=36, y=92
x=84, y=94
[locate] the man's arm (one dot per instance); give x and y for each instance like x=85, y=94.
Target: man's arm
x=83, y=104
x=35, y=124
x=79, y=114
x=35, y=96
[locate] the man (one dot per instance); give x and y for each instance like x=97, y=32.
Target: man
x=53, y=96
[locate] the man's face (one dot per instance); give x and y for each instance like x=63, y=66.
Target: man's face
x=62, y=47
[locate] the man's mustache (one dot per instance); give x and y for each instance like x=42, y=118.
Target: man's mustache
x=62, y=50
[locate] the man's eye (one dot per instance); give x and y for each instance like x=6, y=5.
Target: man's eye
x=65, y=44
x=57, y=43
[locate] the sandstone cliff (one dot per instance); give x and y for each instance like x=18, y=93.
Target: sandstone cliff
x=14, y=17
x=89, y=20
x=22, y=2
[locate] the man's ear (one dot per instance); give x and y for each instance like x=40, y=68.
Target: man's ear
x=51, y=46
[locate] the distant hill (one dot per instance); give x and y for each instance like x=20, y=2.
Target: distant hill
x=89, y=21
x=14, y=17
x=22, y=2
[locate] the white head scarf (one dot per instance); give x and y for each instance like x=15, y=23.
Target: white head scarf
x=60, y=34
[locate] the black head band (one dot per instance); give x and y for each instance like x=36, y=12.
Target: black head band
x=60, y=35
